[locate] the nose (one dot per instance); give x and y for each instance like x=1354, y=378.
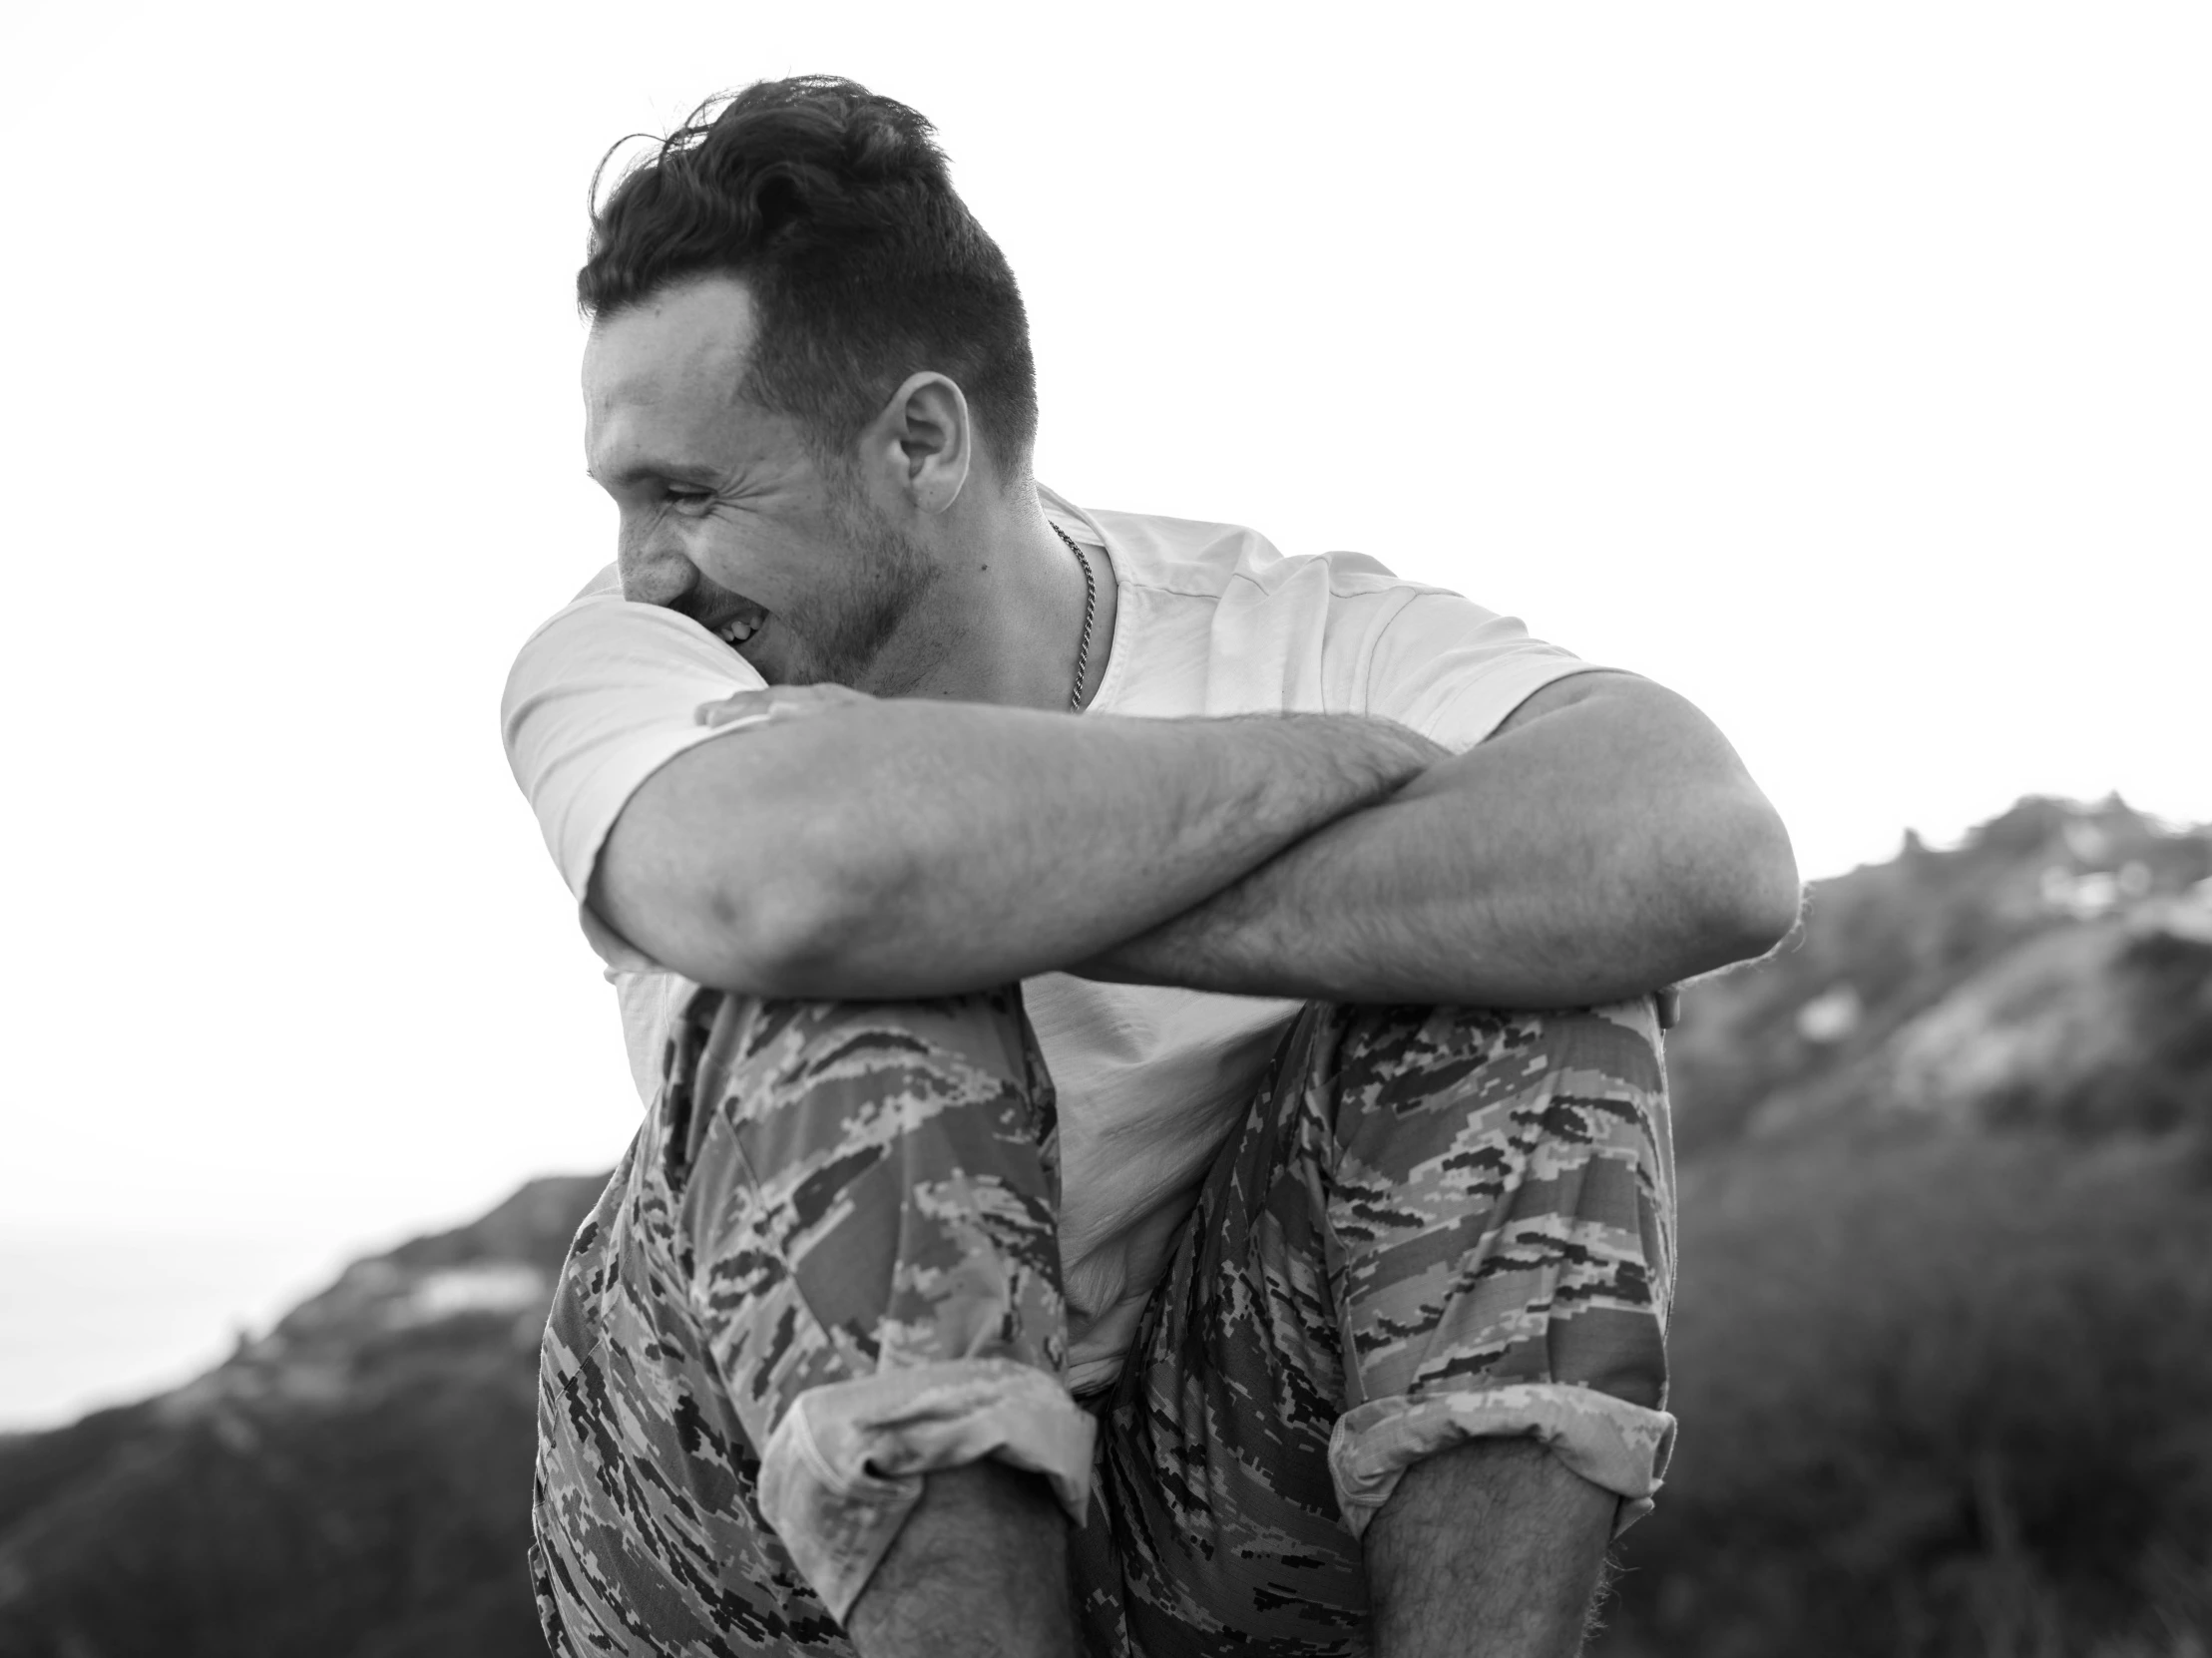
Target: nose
x=655, y=569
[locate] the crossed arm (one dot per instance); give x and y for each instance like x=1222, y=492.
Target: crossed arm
x=1603, y=842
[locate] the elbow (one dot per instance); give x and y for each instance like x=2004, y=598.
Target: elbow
x=1755, y=897
x=788, y=937
x=776, y=931
x=1742, y=885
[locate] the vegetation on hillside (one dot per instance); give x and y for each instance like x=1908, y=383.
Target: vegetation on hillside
x=1939, y=1395
x=1945, y=1337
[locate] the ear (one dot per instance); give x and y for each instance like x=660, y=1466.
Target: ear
x=923, y=442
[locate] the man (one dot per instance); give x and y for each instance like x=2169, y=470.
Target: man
x=1156, y=1138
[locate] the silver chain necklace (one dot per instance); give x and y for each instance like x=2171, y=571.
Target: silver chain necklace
x=1090, y=608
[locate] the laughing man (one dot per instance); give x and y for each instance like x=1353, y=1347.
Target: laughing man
x=1155, y=1141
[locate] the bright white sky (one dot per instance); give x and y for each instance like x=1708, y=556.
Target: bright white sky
x=1846, y=368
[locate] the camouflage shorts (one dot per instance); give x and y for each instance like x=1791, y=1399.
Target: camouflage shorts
x=829, y=1263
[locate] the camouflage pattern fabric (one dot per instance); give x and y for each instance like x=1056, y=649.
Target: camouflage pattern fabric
x=1434, y=1225
x=796, y=1208
x=1426, y=1208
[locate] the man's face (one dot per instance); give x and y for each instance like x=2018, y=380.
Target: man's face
x=725, y=516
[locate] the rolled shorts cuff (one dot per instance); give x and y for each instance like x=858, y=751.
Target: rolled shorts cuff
x=844, y=1467
x=1609, y=1441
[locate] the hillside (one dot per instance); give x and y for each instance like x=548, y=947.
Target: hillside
x=1944, y=1331
x=2050, y=969
x=1944, y=1327
x=353, y=1485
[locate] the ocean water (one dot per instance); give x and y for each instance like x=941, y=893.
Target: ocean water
x=93, y=1319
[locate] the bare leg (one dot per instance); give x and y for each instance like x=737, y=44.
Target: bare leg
x=980, y=1567
x=1493, y=1547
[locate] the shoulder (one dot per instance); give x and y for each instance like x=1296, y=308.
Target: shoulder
x=1168, y=555
x=1208, y=559
x=600, y=697
x=599, y=640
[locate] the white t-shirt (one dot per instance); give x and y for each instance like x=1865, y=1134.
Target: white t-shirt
x=1212, y=620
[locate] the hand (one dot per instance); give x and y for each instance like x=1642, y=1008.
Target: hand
x=754, y=708
x=1431, y=775
x=1426, y=749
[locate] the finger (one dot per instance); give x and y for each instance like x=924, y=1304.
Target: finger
x=743, y=705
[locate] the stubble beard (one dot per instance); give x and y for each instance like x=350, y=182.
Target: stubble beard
x=841, y=636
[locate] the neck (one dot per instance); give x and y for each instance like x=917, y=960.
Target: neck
x=1001, y=621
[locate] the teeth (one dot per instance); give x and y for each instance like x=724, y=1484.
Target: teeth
x=737, y=633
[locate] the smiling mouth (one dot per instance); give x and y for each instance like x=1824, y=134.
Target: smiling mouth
x=734, y=629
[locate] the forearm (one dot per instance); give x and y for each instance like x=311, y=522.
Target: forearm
x=904, y=848
x=1580, y=860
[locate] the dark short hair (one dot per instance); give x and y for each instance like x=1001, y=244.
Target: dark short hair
x=835, y=207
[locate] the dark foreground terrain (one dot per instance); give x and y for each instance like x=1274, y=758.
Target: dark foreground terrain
x=1942, y=1351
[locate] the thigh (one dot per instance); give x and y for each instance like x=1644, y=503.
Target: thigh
x=1421, y=1206
x=820, y=1191
x=876, y=1180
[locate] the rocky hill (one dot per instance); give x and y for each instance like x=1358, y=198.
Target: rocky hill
x=1945, y=1334
x=2051, y=969
x=352, y=1485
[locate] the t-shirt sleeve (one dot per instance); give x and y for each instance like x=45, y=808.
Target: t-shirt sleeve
x=598, y=700
x=1453, y=671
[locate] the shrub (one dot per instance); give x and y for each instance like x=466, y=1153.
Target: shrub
x=1940, y=1393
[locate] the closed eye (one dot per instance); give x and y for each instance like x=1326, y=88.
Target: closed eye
x=669, y=481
